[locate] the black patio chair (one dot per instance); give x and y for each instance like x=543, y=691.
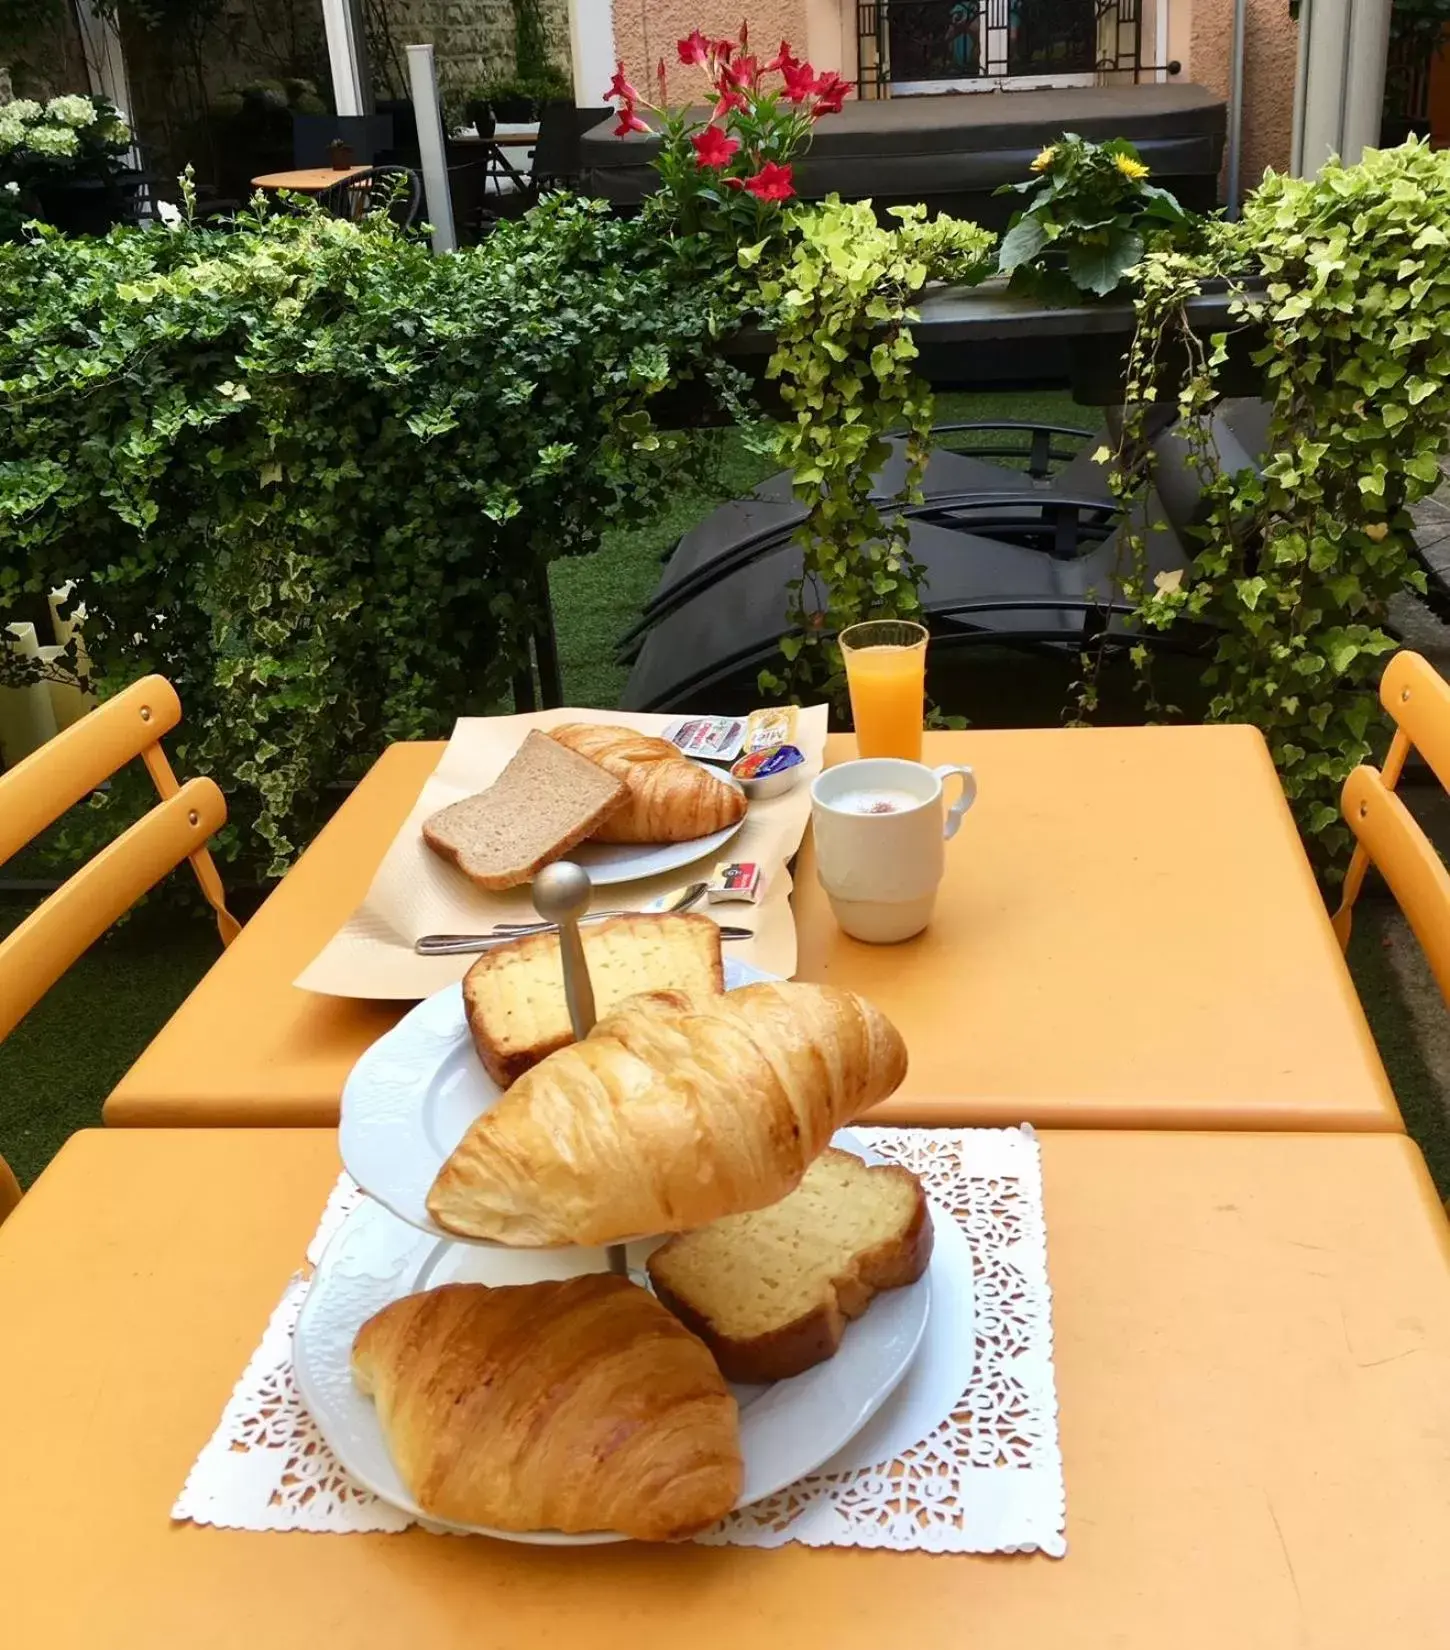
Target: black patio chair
x=397, y=189
x=976, y=589
x=557, y=162
x=1058, y=511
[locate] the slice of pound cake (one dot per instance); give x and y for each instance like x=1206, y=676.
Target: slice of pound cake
x=771, y=1292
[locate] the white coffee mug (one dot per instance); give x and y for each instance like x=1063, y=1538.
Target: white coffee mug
x=880, y=870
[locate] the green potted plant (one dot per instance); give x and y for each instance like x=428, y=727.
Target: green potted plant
x=67, y=156
x=511, y=98
x=1090, y=214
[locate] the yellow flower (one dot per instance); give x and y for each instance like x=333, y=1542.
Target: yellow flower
x=1129, y=167
x=1045, y=159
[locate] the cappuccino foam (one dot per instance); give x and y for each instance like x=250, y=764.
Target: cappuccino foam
x=875, y=800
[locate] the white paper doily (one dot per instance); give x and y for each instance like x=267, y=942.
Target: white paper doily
x=987, y=1480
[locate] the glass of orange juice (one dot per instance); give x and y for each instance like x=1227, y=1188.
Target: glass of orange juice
x=886, y=673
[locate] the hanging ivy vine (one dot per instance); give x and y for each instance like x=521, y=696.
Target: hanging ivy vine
x=1348, y=276
x=841, y=305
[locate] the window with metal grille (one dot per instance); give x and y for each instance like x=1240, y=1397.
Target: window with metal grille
x=978, y=43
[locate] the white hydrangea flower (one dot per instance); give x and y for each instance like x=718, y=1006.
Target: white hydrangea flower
x=52, y=140
x=115, y=131
x=71, y=111
x=12, y=134
x=170, y=215
x=12, y=188
x=21, y=108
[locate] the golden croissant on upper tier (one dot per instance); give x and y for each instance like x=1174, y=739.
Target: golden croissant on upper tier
x=671, y=799
x=674, y=1111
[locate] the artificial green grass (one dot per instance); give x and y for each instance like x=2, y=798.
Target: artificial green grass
x=70, y=1051
x=58, y=1066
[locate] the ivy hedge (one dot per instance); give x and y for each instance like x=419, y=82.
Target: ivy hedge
x=316, y=475
x=312, y=473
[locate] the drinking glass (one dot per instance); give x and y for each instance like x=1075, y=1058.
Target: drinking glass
x=886, y=673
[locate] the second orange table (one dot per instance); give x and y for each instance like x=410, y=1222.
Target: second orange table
x=1129, y=936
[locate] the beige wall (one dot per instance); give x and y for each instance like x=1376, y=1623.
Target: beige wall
x=1271, y=44
x=646, y=30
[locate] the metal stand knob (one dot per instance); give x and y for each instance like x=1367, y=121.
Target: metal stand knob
x=561, y=895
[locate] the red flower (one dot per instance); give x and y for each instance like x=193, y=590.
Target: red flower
x=830, y=94
x=629, y=121
x=785, y=58
x=741, y=75
x=663, y=82
x=723, y=49
x=771, y=183
x=729, y=99
x=800, y=81
x=693, y=50
x=713, y=147
x=744, y=32
x=619, y=87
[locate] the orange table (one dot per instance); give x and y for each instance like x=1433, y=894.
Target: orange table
x=246, y=1046
x=310, y=180
x=1129, y=936
x=1253, y=1353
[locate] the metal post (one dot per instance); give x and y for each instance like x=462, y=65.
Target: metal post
x=1364, y=89
x=591, y=48
x=424, y=83
x=347, y=56
x=1235, y=110
x=1301, y=74
x=1344, y=45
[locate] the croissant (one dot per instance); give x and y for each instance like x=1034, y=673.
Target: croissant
x=573, y=1406
x=675, y=1110
x=671, y=799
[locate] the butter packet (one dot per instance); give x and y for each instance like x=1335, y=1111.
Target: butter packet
x=735, y=880
x=709, y=738
x=774, y=725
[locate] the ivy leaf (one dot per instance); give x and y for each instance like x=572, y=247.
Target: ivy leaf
x=1021, y=244
x=1099, y=269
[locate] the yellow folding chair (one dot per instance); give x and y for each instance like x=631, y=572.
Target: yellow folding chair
x=1386, y=832
x=38, y=791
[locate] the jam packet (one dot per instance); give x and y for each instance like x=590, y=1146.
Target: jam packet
x=709, y=738
x=762, y=764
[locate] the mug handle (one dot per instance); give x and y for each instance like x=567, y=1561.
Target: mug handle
x=965, y=797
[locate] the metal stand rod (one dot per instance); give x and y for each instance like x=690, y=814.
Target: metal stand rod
x=561, y=895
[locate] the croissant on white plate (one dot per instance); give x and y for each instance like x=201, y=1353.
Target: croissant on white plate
x=675, y=1110
x=671, y=799
x=574, y=1406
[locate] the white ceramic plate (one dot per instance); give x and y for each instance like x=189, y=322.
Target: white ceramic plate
x=786, y=1430
x=609, y=862
x=411, y=1097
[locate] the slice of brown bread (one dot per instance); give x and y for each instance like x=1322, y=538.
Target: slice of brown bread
x=547, y=799
x=514, y=994
x=770, y=1292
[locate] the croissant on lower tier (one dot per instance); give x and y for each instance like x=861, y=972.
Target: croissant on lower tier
x=675, y=1110
x=671, y=799
x=574, y=1406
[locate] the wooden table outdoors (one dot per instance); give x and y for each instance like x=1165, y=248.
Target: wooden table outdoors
x=1129, y=936
x=1253, y=1359
x=310, y=180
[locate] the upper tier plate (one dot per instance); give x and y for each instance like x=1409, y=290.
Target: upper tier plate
x=410, y=1099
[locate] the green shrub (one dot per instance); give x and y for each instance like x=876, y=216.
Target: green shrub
x=313, y=473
